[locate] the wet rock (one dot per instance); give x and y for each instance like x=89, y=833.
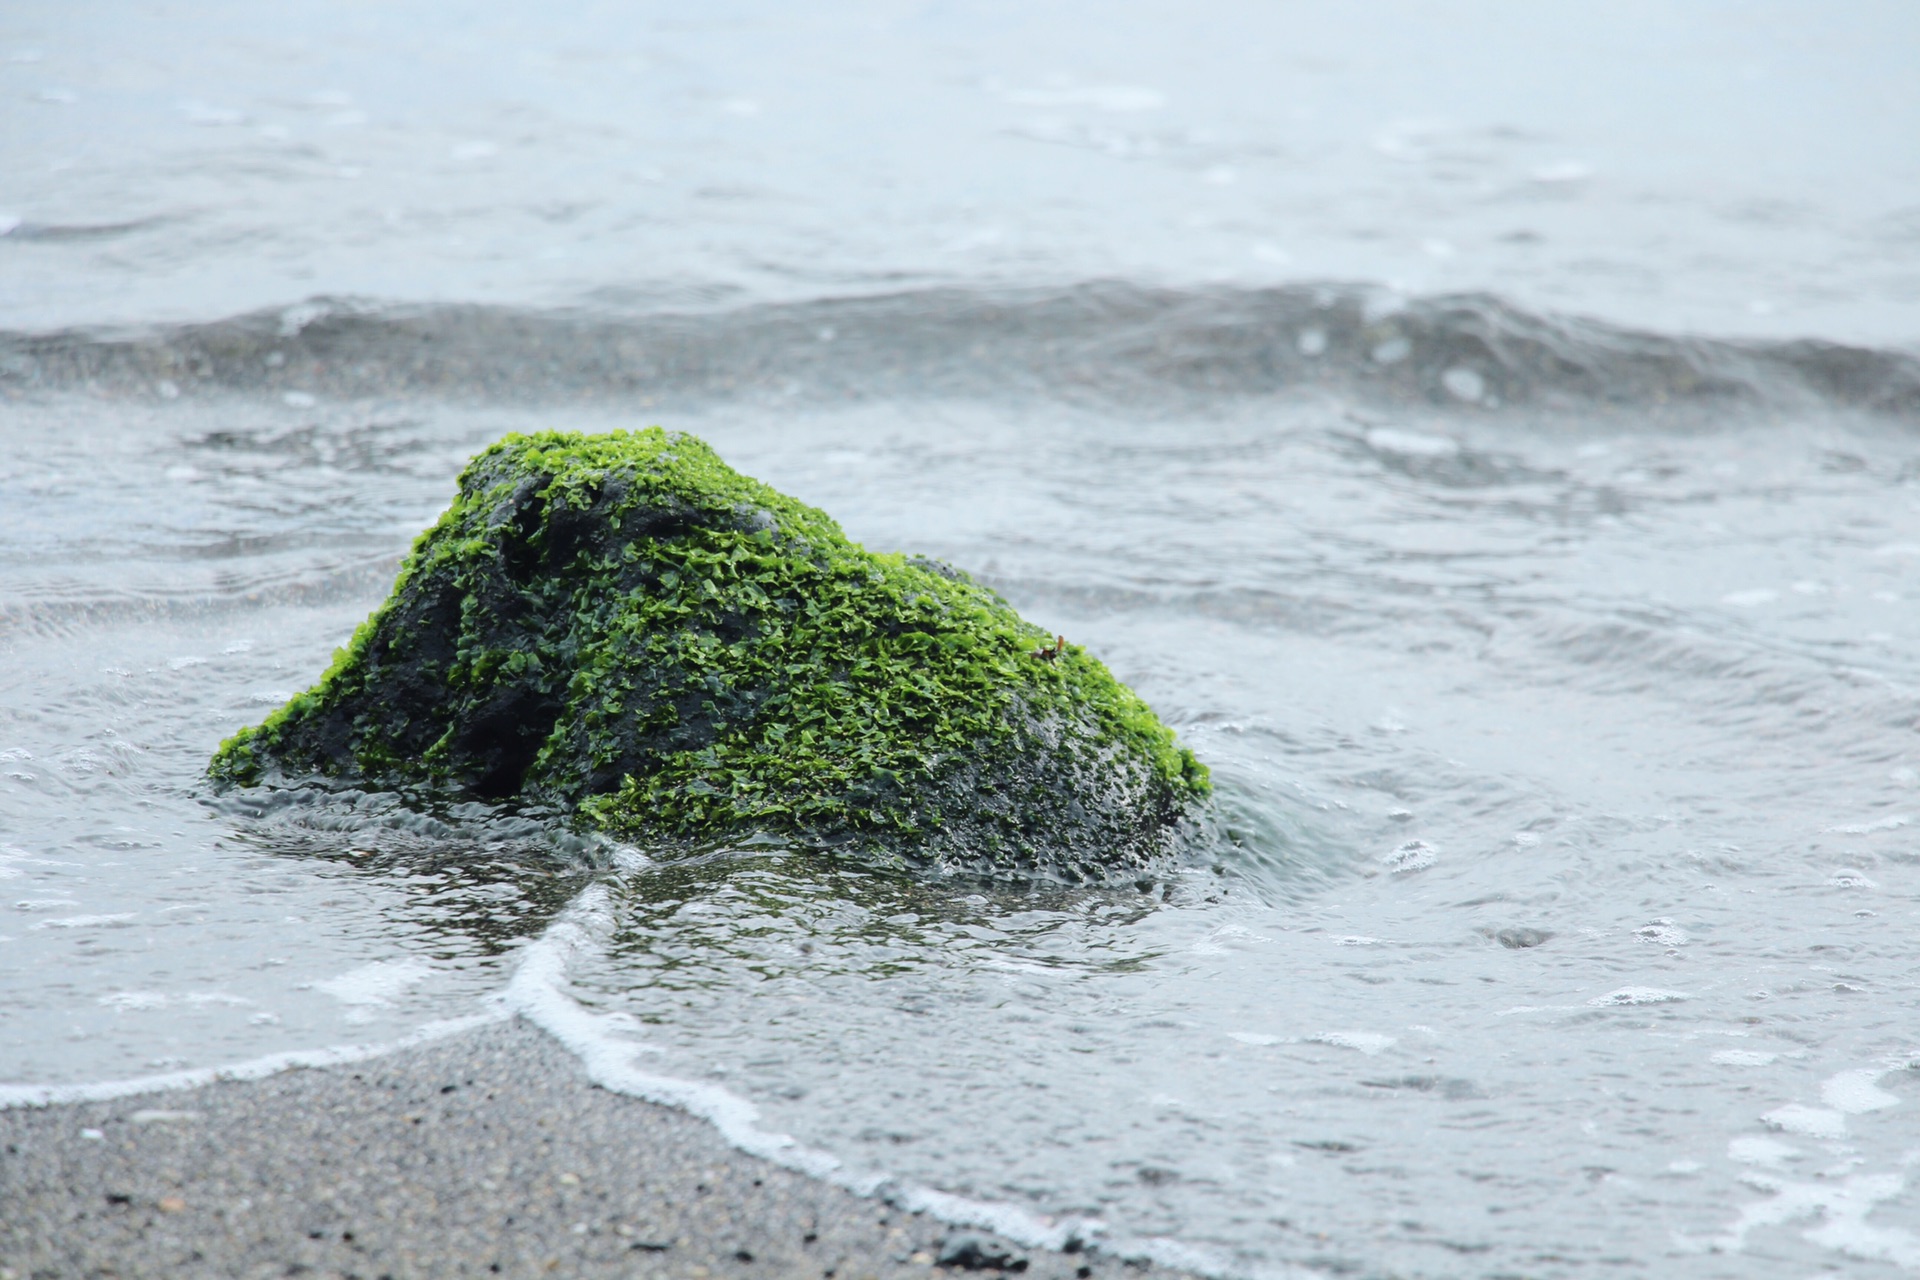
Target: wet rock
x=977, y=1253
x=622, y=628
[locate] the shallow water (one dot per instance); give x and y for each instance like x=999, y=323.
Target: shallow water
x=1561, y=678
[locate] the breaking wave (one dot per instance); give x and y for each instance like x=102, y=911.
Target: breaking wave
x=1099, y=341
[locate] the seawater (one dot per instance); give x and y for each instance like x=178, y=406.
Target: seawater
x=1560, y=676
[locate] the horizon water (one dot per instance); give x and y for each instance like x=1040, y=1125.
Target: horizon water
x=1490, y=442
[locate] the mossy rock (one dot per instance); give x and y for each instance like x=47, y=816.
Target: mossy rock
x=622, y=627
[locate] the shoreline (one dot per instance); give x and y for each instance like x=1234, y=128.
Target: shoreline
x=485, y=1153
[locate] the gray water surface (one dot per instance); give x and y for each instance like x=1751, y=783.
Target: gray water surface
x=1560, y=673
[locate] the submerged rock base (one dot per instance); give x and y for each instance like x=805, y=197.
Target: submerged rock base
x=624, y=627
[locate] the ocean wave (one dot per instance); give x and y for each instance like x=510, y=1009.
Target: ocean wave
x=1098, y=341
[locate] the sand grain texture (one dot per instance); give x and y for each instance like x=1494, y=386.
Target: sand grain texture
x=486, y=1155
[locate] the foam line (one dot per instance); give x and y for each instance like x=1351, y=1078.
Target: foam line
x=602, y=1045
x=600, y=1042
x=51, y=1095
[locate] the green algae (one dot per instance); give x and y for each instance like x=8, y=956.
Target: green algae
x=624, y=627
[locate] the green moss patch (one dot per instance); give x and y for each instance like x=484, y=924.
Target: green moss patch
x=624, y=626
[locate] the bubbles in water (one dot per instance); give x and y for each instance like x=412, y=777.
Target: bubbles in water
x=1857, y=1092
x=1414, y=855
x=1312, y=342
x=1662, y=933
x=1812, y=1122
x=1626, y=996
x=374, y=986
x=1892, y=822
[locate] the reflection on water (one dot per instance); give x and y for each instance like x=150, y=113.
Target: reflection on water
x=688, y=926
x=466, y=885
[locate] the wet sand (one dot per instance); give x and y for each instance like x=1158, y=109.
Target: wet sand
x=489, y=1154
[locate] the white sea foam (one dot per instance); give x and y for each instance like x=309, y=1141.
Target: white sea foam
x=1636, y=996
x=1814, y=1122
x=603, y=1045
x=49, y=1095
x=1664, y=933
x=141, y=1001
x=1857, y=1092
x=1841, y=1210
x=1414, y=855
x=1367, y=1042
x=103, y=921
x=1893, y=823
x=375, y=985
x=1743, y=1058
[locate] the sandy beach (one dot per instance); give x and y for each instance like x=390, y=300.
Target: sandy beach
x=488, y=1154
